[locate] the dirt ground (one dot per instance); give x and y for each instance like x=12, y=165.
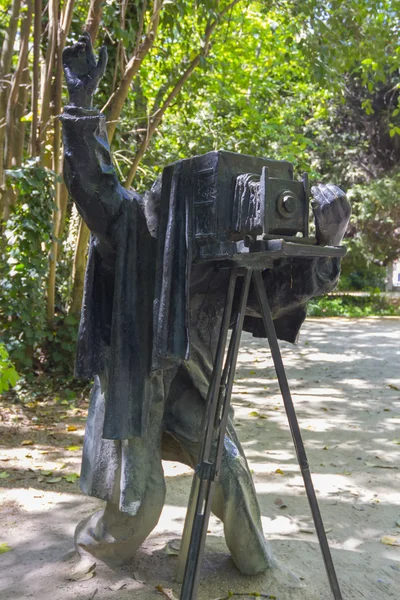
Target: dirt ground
x=345, y=379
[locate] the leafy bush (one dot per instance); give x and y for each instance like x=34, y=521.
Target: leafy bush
x=374, y=304
x=8, y=374
x=23, y=272
x=358, y=271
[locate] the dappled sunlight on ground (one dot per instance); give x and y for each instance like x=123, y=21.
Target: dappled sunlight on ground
x=345, y=380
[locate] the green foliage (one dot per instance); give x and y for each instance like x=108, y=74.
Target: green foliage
x=8, y=374
x=23, y=277
x=358, y=271
x=376, y=208
x=374, y=304
x=23, y=272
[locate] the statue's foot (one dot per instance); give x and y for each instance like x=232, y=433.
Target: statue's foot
x=93, y=541
x=259, y=560
x=279, y=576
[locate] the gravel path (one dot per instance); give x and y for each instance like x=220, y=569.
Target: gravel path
x=345, y=379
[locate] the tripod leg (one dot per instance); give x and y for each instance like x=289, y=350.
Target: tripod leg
x=208, y=423
x=212, y=446
x=296, y=434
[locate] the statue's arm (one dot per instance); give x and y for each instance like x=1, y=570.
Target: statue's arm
x=88, y=168
x=89, y=173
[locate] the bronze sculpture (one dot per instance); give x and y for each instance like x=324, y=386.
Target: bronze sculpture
x=148, y=399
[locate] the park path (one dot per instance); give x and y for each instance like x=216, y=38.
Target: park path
x=345, y=379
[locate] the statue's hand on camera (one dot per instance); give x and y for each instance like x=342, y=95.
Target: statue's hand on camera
x=82, y=71
x=332, y=213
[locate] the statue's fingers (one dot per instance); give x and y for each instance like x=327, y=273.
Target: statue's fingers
x=316, y=206
x=87, y=41
x=70, y=53
x=336, y=190
x=70, y=76
x=327, y=193
x=317, y=193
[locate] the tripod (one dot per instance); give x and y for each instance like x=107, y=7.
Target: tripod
x=214, y=427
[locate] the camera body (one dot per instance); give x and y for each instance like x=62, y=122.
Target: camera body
x=234, y=200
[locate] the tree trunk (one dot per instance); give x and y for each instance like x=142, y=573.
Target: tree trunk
x=20, y=126
x=94, y=18
x=116, y=102
x=37, y=33
x=59, y=212
x=47, y=78
x=78, y=270
x=5, y=77
x=7, y=197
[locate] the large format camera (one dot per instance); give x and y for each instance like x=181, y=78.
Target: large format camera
x=236, y=205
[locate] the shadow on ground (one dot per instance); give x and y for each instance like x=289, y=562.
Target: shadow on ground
x=345, y=380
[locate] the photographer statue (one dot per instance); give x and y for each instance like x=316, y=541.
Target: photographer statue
x=141, y=414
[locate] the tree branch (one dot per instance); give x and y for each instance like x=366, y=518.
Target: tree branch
x=158, y=113
x=94, y=17
x=115, y=103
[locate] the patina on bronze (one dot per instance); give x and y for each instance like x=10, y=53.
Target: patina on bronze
x=155, y=293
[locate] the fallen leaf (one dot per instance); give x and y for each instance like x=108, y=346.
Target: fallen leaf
x=379, y=466
x=307, y=530
x=4, y=475
x=4, y=548
x=359, y=507
x=46, y=473
x=71, y=478
x=27, y=443
x=73, y=448
x=80, y=572
x=394, y=387
x=390, y=541
x=71, y=428
x=170, y=550
x=254, y=413
x=167, y=593
x=279, y=472
x=398, y=522
x=86, y=576
x=54, y=480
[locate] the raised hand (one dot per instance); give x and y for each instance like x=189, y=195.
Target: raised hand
x=332, y=212
x=82, y=72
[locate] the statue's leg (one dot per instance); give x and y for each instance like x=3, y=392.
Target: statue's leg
x=128, y=475
x=235, y=500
